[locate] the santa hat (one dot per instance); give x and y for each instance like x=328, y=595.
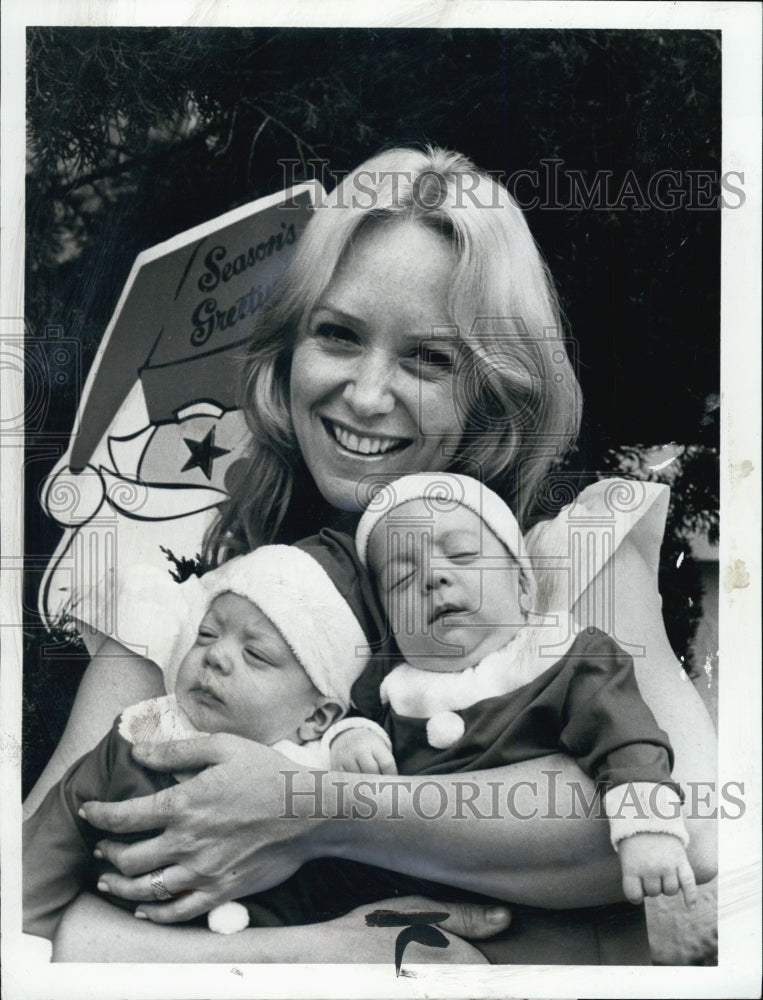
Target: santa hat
x=300, y=598
x=441, y=492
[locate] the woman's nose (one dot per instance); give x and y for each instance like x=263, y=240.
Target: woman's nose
x=368, y=390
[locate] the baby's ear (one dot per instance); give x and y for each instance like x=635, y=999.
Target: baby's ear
x=326, y=713
x=527, y=591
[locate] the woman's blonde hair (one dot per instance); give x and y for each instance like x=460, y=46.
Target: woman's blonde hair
x=517, y=390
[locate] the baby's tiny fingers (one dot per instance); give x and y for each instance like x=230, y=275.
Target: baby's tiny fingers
x=688, y=883
x=367, y=763
x=343, y=765
x=632, y=889
x=670, y=883
x=385, y=762
x=652, y=885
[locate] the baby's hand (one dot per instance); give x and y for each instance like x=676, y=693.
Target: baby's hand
x=654, y=863
x=361, y=751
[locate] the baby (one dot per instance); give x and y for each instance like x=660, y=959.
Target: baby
x=277, y=651
x=478, y=688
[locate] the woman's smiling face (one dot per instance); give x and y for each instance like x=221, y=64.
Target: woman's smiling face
x=372, y=384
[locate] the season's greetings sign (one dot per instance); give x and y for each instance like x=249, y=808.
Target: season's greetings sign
x=187, y=305
x=158, y=423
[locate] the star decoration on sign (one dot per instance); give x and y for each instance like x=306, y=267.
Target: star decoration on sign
x=203, y=453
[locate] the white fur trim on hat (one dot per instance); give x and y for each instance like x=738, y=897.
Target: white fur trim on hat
x=442, y=491
x=299, y=597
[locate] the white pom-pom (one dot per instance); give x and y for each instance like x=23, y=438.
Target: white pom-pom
x=228, y=918
x=444, y=729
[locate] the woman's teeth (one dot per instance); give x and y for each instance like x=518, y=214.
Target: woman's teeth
x=364, y=445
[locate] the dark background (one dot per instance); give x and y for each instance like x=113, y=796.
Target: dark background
x=137, y=134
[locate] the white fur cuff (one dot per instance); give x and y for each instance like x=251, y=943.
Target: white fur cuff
x=644, y=807
x=355, y=722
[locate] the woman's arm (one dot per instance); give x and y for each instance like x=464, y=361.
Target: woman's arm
x=233, y=835
x=637, y=622
x=95, y=931
x=227, y=830
x=114, y=679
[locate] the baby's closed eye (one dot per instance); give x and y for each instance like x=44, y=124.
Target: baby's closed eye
x=257, y=657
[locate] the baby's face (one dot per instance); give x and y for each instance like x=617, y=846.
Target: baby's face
x=449, y=586
x=240, y=676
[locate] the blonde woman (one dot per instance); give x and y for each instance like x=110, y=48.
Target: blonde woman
x=416, y=330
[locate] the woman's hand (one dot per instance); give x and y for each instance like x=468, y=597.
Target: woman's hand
x=229, y=831
x=252, y=818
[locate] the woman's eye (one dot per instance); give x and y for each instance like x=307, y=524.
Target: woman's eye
x=429, y=362
x=433, y=358
x=335, y=333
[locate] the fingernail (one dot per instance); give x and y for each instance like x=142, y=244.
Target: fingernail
x=81, y=813
x=496, y=914
x=98, y=853
x=102, y=887
x=140, y=915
